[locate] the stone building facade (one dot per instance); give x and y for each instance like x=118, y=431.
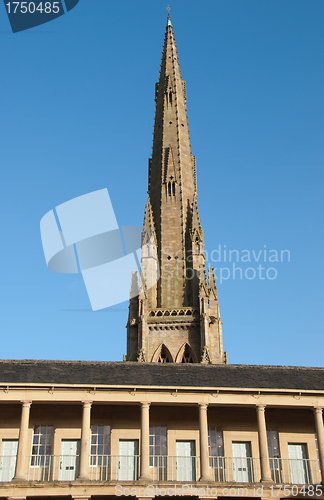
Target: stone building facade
x=80, y=430
x=178, y=318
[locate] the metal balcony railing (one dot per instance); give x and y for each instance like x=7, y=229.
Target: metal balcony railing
x=164, y=468
x=114, y=467
x=283, y=471
x=53, y=467
x=171, y=468
x=295, y=471
x=235, y=470
x=7, y=467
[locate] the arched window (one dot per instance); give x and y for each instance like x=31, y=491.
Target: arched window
x=173, y=188
x=187, y=355
x=169, y=188
x=162, y=355
x=170, y=97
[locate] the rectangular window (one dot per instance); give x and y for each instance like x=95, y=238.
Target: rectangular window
x=215, y=442
x=298, y=462
x=216, y=453
x=158, y=452
x=100, y=445
x=42, y=446
x=128, y=460
x=274, y=455
x=242, y=462
x=317, y=452
x=158, y=442
x=8, y=459
x=186, y=460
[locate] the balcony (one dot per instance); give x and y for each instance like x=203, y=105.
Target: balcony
x=53, y=467
x=293, y=471
x=113, y=468
x=175, y=468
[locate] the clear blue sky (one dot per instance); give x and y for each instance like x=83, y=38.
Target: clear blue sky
x=77, y=109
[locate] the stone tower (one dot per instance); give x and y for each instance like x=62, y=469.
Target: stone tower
x=177, y=319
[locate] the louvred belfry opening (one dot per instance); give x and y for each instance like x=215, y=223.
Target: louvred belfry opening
x=182, y=307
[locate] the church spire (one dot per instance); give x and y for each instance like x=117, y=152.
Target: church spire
x=174, y=315
x=172, y=178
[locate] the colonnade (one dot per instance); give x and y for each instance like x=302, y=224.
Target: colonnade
x=205, y=470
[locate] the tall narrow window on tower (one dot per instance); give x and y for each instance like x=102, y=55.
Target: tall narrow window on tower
x=170, y=97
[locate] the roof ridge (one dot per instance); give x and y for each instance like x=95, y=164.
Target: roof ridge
x=130, y=363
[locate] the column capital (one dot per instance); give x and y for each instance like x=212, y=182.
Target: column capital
x=26, y=404
x=318, y=409
x=145, y=404
x=203, y=406
x=86, y=404
x=261, y=408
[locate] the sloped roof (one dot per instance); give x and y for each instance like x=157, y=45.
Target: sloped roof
x=156, y=374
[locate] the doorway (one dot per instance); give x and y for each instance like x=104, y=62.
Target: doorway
x=242, y=462
x=186, y=461
x=8, y=459
x=69, y=460
x=128, y=460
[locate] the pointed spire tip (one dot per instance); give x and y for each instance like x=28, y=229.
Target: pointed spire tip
x=169, y=17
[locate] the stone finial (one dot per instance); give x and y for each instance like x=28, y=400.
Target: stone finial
x=134, y=285
x=205, y=358
x=141, y=356
x=211, y=278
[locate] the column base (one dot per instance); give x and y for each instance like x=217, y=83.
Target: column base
x=266, y=482
x=19, y=480
x=206, y=479
x=145, y=478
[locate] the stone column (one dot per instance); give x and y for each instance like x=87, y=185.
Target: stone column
x=20, y=474
x=205, y=472
x=145, y=441
x=85, y=441
x=263, y=445
x=318, y=412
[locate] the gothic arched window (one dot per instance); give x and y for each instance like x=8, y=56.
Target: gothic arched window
x=187, y=355
x=170, y=97
x=162, y=355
